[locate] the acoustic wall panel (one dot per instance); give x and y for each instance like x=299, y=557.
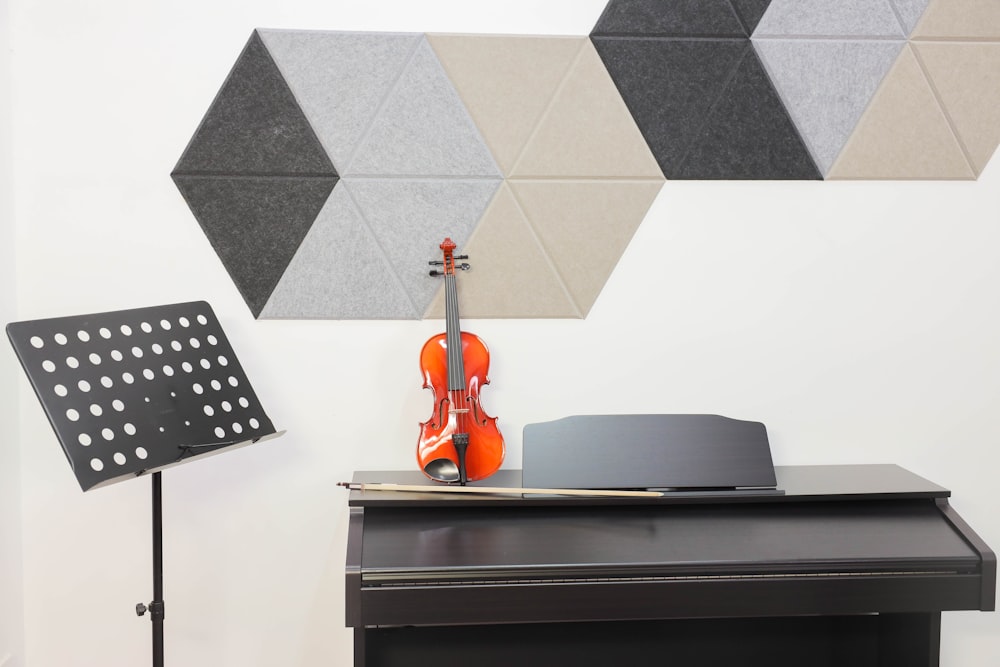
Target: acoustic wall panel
x=331, y=155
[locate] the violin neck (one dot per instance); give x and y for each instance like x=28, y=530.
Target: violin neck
x=453, y=335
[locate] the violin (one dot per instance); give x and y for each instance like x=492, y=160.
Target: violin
x=460, y=442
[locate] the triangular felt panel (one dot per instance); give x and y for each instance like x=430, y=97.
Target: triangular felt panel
x=506, y=83
x=511, y=275
x=688, y=18
x=966, y=76
x=255, y=224
x=969, y=19
x=587, y=131
x=669, y=86
x=339, y=272
x=423, y=129
x=830, y=18
x=585, y=226
x=255, y=126
x=340, y=79
x=826, y=85
x=903, y=134
x=410, y=218
x=751, y=11
x=748, y=134
x=910, y=12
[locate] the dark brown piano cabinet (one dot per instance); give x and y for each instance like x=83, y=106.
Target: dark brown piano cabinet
x=850, y=566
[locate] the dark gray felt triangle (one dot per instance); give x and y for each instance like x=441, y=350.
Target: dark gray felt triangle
x=749, y=134
x=255, y=126
x=678, y=18
x=669, y=86
x=255, y=224
x=750, y=12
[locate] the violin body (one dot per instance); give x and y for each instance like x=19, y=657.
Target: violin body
x=460, y=442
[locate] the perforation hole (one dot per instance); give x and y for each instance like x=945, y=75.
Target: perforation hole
x=185, y=322
x=141, y=453
x=202, y=319
x=187, y=367
x=105, y=333
x=209, y=410
x=128, y=377
x=84, y=439
x=237, y=428
x=233, y=382
x=148, y=373
x=244, y=403
x=60, y=390
x=176, y=345
x=83, y=336
x=254, y=424
x=116, y=355
x=72, y=362
x=165, y=325
x=216, y=385
x=129, y=429
x=220, y=432
x=61, y=338
x=205, y=363
x=107, y=382
x=96, y=465
x=96, y=410
x=223, y=361
x=227, y=406
x=95, y=358
x=83, y=385
x=146, y=327
x=49, y=366
x=137, y=352
x=195, y=343
x=37, y=342
x=118, y=405
x=126, y=330
x=72, y=415
x=198, y=389
x=168, y=371
x=157, y=348
x=107, y=434
x=212, y=340
x=119, y=458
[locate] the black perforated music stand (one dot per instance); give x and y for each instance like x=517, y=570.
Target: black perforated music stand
x=132, y=392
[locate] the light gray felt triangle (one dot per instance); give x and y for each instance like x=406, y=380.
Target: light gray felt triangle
x=339, y=272
x=826, y=85
x=340, y=79
x=411, y=217
x=423, y=129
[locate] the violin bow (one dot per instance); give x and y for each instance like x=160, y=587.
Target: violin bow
x=498, y=490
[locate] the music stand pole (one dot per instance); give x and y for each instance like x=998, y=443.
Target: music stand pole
x=156, y=606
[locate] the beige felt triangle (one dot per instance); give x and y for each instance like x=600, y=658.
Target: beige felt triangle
x=511, y=276
x=506, y=83
x=903, y=134
x=585, y=226
x=965, y=19
x=966, y=76
x=588, y=132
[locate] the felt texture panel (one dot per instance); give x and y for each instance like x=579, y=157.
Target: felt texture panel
x=689, y=18
x=255, y=126
x=584, y=227
x=826, y=85
x=830, y=18
x=340, y=79
x=587, y=131
x=423, y=129
x=410, y=218
x=748, y=134
x=255, y=223
x=506, y=83
x=909, y=12
x=903, y=134
x=963, y=19
x=511, y=275
x=339, y=272
x=669, y=86
x=751, y=12
x=966, y=78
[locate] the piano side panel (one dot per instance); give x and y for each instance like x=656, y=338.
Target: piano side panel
x=987, y=556
x=352, y=584
x=697, y=598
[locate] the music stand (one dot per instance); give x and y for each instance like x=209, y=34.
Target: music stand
x=132, y=392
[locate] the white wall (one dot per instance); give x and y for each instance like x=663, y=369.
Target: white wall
x=859, y=321
x=11, y=572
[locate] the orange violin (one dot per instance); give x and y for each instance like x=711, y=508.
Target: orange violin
x=460, y=442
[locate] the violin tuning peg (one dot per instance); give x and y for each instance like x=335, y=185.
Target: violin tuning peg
x=461, y=257
x=435, y=262
x=432, y=272
x=464, y=266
